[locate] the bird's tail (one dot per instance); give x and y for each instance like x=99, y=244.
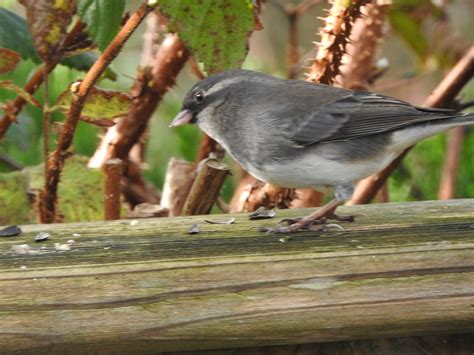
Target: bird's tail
x=463, y=119
x=409, y=136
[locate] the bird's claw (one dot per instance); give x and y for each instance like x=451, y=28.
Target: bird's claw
x=299, y=224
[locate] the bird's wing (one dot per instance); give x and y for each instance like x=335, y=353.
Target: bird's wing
x=357, y=114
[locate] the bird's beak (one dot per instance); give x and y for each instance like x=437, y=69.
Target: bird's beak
x=184, y=117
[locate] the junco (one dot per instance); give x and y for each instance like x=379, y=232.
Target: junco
x=292, y=133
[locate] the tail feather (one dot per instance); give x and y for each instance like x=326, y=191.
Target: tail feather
x=411, y=135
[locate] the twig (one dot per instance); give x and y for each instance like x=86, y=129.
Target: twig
x=113, y=175
x=36, y=80
x=47, y=202
x=447, y=185
x=442, y=96
x=178, y=181
x=195, y=68
x=206, y=187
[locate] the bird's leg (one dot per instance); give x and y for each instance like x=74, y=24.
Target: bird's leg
x=320, y=216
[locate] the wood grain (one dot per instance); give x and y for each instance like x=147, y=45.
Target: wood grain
x=399, y=270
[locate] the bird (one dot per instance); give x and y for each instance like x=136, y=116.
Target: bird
x=296, y=134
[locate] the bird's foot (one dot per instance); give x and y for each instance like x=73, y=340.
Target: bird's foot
x=318, y=218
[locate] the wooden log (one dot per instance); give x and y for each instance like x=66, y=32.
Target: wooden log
x=206, y=187
x=178, y=181
x=112, y=188
x=147, y=286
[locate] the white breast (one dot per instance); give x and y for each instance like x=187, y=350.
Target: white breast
x=313, y=171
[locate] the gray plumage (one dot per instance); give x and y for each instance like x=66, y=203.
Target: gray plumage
x=297, y=134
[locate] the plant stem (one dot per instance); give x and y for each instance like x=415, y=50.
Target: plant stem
x=48, y=197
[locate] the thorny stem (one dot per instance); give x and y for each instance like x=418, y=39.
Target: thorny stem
x=334, y=38
x=48, y=199
x=442, y=96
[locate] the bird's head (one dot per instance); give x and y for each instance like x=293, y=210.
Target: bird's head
x=205, y=97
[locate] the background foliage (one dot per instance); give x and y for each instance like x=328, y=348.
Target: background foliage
x=421, y=43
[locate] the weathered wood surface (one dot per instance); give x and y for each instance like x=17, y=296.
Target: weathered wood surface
x=399, y=270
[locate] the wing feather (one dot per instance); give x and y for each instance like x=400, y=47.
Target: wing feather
x=358, y=114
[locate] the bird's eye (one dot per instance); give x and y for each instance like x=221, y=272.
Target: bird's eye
x=199, y=96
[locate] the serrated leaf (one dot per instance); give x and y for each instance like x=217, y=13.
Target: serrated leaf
x=103, y=19
x=48, y=21
x=101, y=105
x=8, y=85
x=82, y=201
x=15, y=35
x=8, y=60
x=216, y=31
x=410, y=31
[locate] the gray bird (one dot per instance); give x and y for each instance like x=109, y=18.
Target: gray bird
x=296, y=134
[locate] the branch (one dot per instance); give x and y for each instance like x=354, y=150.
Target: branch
x=442, y=96
x=48, y=198
x=450, y=168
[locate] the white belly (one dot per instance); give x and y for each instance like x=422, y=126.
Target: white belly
x=311, y=171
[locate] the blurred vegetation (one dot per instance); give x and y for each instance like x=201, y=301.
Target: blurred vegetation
x=423, y=41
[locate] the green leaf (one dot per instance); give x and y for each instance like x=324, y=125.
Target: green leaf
x=101, y=106
x=14, y=34
x=216, y=31
x=103, y=19
x=410, y=31
x=48, y=21
x=84, y=61
x=82, y=201
x=8, y=60
x=8, y=85
x=14, y=204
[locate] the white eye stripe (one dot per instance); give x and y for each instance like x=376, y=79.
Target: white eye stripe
x=223, y=84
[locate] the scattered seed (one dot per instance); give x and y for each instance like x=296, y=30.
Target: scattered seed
x=20, y=249
x=71, y=241
x=76, y=235
x=284, y=239
x=133, y=222
x=194, y=229
x=42, y=236
x=229, y=221
x=62, y=247
x=10, y=231
x=262, y=213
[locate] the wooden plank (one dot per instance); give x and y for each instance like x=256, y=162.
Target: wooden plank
x=399, y=270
